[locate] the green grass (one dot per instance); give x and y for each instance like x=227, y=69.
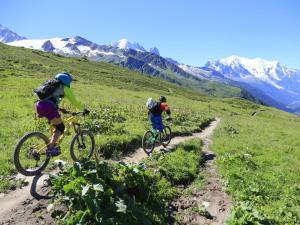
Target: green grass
x=180, y=166
x=116, y=95
x=258, y=155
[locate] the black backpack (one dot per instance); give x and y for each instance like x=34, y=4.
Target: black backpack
x=47, y=89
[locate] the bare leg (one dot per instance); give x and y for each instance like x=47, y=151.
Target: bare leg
x=54, y=138
x=56, y=134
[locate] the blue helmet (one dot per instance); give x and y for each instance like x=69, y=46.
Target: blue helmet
x=65, y=78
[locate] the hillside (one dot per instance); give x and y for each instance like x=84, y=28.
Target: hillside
x=258, y=80
x=256, y=147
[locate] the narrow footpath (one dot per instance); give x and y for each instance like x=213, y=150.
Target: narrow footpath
x=211, y=197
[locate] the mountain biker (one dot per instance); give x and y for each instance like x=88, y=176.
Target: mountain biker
x=48, y=108
x=155, y=109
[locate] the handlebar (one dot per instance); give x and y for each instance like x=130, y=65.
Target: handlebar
x=71, y=113
x=84, y=112
x=76, y=113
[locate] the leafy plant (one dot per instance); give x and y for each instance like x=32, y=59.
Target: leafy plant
x=113, y=193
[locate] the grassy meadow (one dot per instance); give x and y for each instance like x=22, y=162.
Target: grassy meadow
x=257, y=147
x=116, y=97
x=259, y=157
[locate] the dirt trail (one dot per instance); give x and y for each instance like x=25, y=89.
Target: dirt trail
x=139, y=154
x=212, y=197
x=29, y=204
x=209, y=205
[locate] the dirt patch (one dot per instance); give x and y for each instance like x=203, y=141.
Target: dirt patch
x=27, y=205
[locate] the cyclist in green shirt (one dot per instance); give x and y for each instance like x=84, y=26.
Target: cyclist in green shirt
x=48, y=108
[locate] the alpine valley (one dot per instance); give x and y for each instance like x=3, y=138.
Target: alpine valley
x=258, y=80
x=236, y=162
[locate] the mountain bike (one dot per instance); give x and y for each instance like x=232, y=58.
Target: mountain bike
x=154, y=138
x=30, y=156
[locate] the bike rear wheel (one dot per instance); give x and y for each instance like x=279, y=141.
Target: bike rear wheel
x=148, y=142
x=82, y=146
x=29, y=155
x=166, y=135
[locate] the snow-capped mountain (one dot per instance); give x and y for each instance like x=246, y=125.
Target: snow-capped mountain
x=270, y=81
x=75, y=46
x=78, y=46
x=6, y=35
x=123, y=53
x=126, y=54
x=125, y=44
x=239, y=68
x=267, y=81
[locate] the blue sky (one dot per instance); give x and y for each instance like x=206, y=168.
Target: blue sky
x=190, y=31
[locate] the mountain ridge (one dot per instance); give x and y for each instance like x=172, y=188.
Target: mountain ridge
x=6, y=35
x=134, y=57
x=276, y=84
x=257, y=79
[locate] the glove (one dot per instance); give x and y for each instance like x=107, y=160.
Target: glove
x=86, y=112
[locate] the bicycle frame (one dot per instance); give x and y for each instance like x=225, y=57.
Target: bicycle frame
x=72, y=121
x=158, y=135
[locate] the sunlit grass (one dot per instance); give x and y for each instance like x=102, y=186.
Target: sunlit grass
x=258, y=155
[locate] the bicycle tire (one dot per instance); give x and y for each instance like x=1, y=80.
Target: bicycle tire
x=77, y=136
x=19, y=166
x=146, y=144
x=166, y=136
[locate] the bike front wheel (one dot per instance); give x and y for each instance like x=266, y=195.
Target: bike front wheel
x=82, y=146
x=166, y=136
x=29, y=155
x=148, y=142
